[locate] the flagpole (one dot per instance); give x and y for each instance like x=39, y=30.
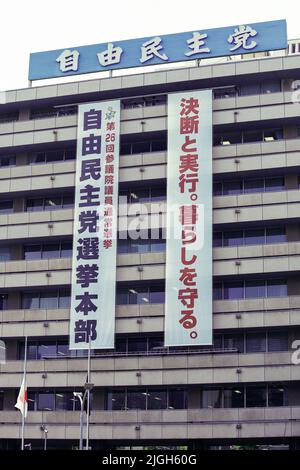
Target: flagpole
x=25, y=388
x=88, y=398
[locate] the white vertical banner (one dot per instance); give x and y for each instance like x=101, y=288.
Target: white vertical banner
x=95, y=226
x=188, y=308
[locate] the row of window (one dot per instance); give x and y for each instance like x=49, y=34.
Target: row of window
x=141, y=195
x=53, y=400
x=155, y=145
x=255, y=236
x=267, y=86
x=241, y=396
x=235, y=290
x=47, y=251
x=246, y=186
x=146, y=399
x=261, y=236
x=249, y=342
x=40, y=204
x=50, y=156
x=47, y=204
x=247, y=136
x=139, y=295
x=236, y=396
x=52, y=299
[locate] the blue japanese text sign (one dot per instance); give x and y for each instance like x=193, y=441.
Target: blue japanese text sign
x=201, y=44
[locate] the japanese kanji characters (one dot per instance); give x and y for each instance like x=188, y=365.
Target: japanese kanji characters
x=68, y=61
x=111, y=56
x=188, y=183
x=95, y=223
x=198, y=45
x=240, y=38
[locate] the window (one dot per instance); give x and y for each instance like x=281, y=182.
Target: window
x=30, y=300
x=47, y=350
x=7, y=160
x=51, y=251
x=47, y=204
x=255, y=342
x=234, y=397
x=5, y=253
x=254, y=186
x=256, y=397
x=155, y=343
x=273, y=134
x=46, y=401
x=3, y=301
x=255, y=289
x=232, y=187
x=46, y=300
x=145, y=399
x=145, y=101
x=155, y=145
x=157, y=400
x=232, y=341
x=116, y=400
x=212, y=398
x=276, y=395
x=233, y=290
x=277, y=288
x=136, y=399
x=277, y=341
x=139, y=195
x=177, y=399
x=254, y=236
x=140, y=295
x=233, y=238
x=274, y=184
x=259, y=236
x=229, y=92
x=6, y=207
x=137, y=344
x=9, y=117
x=252, y=136
x=46, y=251
x=248, y=136
x=53, y=112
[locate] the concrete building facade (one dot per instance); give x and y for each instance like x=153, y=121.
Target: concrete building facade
x=245, y=389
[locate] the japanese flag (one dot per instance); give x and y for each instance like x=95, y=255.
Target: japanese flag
x=22, y=401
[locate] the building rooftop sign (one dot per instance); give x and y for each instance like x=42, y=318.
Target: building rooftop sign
x=217, y=42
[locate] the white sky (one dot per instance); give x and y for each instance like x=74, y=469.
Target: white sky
x=40, y=25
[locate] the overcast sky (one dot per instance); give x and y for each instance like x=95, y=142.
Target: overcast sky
x=37, y=25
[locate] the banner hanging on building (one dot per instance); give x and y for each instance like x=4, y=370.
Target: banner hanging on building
x=188, y=309
x=244, y=38
x=95, y=226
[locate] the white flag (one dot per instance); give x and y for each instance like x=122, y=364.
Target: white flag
x=22, y=401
